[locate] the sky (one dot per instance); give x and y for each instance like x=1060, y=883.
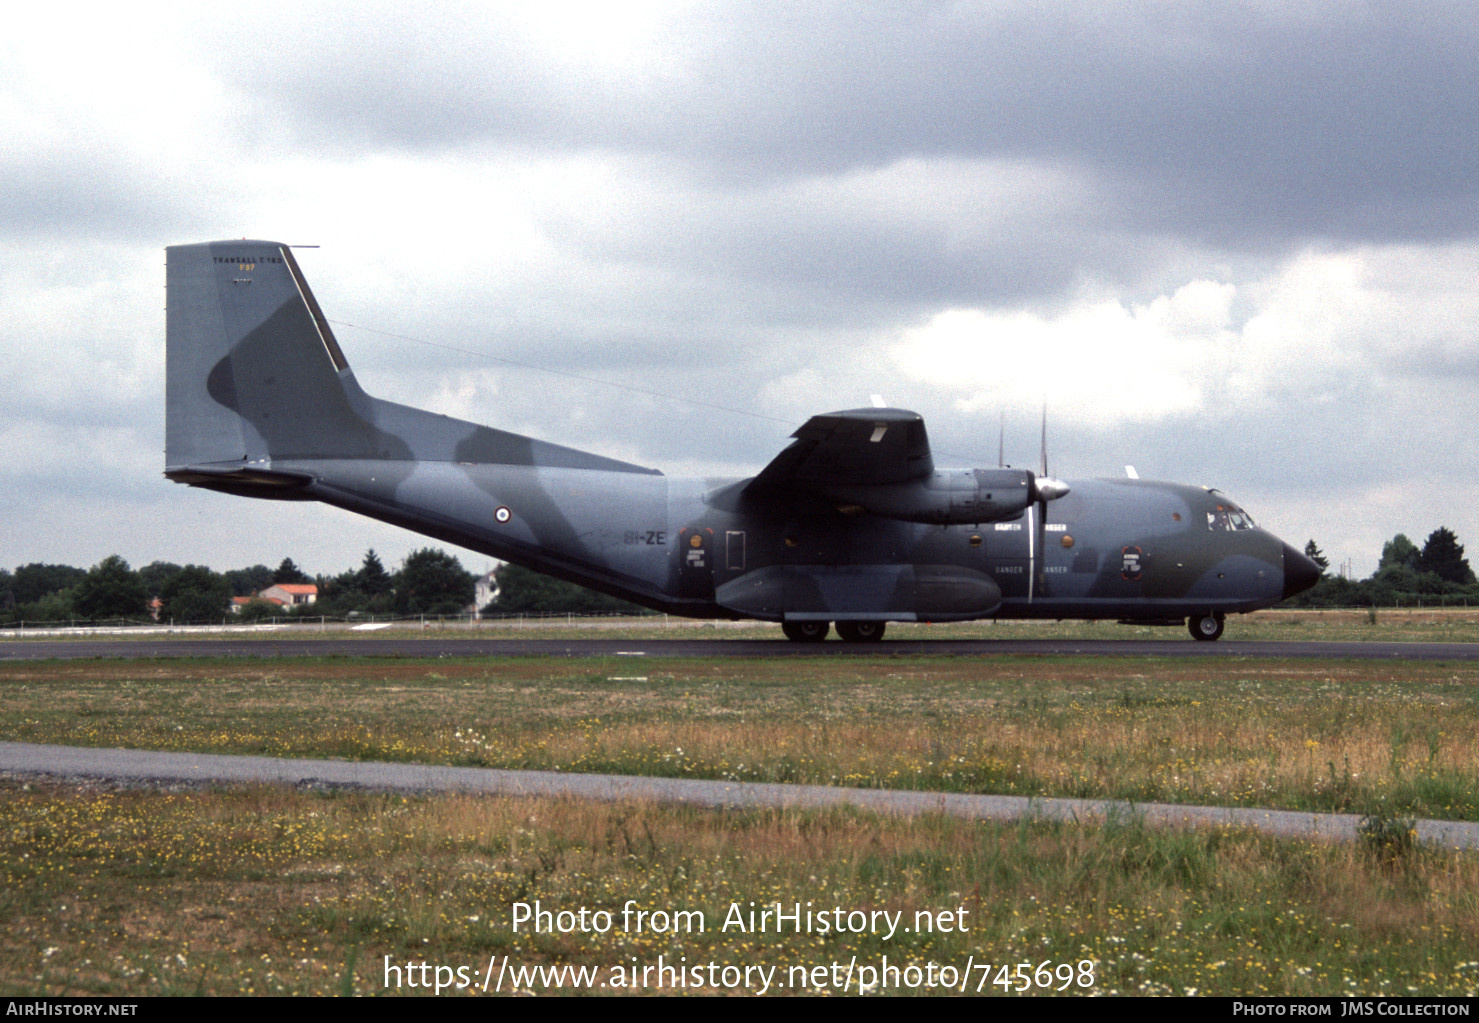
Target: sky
x=1231, y=244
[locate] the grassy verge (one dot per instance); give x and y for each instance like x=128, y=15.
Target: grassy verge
x=269, y=891
x=1392, y=625
x=1394, y=739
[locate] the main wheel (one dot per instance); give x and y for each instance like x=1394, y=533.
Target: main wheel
x=860, y=632
x=805, y=632
x=1205, y=627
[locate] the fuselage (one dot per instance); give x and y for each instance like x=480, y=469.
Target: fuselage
x=1110, y=548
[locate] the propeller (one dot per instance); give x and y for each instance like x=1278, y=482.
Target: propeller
x=1045, y=488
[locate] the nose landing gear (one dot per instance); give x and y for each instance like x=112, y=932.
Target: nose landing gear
x=1206, y=627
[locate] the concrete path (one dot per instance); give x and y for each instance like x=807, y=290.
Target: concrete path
x=149, y=767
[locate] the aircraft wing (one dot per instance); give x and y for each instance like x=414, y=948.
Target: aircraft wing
x=858, y=447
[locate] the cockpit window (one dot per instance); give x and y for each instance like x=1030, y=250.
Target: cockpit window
x=1229, y=518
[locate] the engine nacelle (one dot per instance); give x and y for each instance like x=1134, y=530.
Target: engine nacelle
x=946, y=497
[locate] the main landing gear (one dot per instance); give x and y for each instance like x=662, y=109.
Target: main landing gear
x=1205, y=627
x=860, y=632
x=805, y=632
x=848, y=632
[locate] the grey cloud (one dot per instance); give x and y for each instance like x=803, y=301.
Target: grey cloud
x=1239, y=123
x=759, y=215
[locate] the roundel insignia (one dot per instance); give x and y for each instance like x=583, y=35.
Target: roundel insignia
x=1131, y=563
x=501, y=514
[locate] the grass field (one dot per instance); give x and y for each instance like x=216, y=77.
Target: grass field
x=265, y=891
x=1397, y=738
x=268, y=891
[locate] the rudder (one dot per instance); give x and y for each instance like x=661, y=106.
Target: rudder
x=253, y=370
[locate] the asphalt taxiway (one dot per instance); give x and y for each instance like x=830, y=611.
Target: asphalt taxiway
x=19, y=649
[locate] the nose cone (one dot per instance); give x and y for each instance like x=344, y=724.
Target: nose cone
x=1300, y=573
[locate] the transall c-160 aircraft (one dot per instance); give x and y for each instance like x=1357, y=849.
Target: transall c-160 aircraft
x=853, y=524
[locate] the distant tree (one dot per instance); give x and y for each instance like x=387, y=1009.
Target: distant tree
x=54, y=607
x=111, y=589
x=1443, y=556
x=7, y=591
x=1312, y=551
x=367, y=590
x=31, y=582
x=433, y=582
x=256, y=610
x=522, y=590
x=1398, y=552
x=288, y=572
x=156, y=574
x=247, y=582
x=195, y=594
x=372, y=579
x=1393, y=580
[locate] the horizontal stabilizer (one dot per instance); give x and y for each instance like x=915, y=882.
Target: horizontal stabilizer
x=245, y=481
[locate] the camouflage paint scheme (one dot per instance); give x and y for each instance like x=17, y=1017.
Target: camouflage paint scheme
x=852, y=523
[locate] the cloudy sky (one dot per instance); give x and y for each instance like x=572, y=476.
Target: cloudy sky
x=1232, y=244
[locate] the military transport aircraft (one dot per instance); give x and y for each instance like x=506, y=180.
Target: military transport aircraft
x=852, y=524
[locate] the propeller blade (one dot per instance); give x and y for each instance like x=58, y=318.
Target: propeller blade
x=1044, y=489
x=1045, y=437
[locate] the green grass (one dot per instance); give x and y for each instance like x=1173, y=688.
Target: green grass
x=271, y=891
x=1363, y=737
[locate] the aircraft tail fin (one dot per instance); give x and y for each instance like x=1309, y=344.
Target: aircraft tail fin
x=256, y=385
x=253, y=369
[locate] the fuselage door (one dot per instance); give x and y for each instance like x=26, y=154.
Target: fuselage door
x=734, y=544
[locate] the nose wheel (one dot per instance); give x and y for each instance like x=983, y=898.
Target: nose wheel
x=1205, y=627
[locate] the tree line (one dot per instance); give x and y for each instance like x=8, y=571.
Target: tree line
x=1407, y=574
x=430, y=582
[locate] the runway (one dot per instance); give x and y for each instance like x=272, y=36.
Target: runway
x=145, y=767
x=16, y=649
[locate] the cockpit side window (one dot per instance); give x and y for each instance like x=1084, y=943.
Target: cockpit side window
x=1229, y=518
